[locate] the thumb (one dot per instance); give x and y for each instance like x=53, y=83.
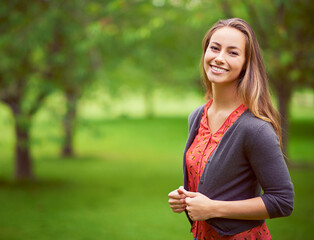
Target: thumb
x=181, y=190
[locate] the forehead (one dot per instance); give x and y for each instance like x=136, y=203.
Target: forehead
x=228, y=36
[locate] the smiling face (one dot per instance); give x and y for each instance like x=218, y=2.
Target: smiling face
x=225, y=55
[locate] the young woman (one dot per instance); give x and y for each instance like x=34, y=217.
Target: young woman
x=233, y=148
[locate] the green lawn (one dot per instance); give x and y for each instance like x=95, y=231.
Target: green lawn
x=117, y=186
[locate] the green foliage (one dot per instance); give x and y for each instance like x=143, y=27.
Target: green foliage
x=22, y=47
x=160, y=39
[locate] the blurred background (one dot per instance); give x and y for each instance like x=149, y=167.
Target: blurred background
x=94, y=99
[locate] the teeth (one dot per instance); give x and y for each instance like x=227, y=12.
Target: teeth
x=219, y=69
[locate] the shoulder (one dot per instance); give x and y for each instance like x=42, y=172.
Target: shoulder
x=253, y=124
x=196, y=113
x=195, y=117
x=256, y=130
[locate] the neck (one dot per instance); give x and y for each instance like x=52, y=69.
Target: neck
x=225, y=96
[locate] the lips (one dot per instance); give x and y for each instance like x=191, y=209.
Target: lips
x=218, y=69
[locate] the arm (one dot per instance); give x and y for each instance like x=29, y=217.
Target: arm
x=271, y=171
x=200, y=207
x=249, y=209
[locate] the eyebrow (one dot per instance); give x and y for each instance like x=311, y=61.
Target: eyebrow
x=228, y=46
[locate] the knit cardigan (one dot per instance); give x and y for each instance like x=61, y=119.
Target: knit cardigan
x=247, y=160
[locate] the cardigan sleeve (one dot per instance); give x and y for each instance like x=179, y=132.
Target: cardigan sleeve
x=269, y=166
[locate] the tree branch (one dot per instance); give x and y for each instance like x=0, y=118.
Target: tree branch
x=258, y=28
x=38, y=102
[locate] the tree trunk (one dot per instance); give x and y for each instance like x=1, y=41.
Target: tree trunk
x=23, y=160
x=149, y=102
x=284, y=96
x=69, y=125
x=226, y=9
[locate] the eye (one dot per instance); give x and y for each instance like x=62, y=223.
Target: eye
x=214, y=48
x=234, y=53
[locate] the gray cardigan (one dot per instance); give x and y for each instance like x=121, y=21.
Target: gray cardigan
x=247, y=160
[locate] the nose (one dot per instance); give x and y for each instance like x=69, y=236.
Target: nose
x=220, y=58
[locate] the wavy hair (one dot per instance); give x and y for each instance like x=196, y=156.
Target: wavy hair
x=253, y=82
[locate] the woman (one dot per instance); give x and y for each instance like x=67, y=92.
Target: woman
x=233, y=148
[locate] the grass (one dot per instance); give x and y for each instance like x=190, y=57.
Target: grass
x=116, y=188
x=301, y=140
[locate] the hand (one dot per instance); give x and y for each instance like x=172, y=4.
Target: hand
x=198, y=206
x=177, y=200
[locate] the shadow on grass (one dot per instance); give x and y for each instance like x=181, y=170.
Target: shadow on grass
x=35, y=184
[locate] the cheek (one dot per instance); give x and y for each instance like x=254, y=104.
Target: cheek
x=238, y=65
x=205, y=62
x=242, y=63
x=207, y=59
x=207, y=54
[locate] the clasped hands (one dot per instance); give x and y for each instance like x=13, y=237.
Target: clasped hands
x=198, y=206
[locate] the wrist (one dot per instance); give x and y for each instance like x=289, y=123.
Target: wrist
x=216, y=209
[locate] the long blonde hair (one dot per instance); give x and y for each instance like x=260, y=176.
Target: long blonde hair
x=253, y=82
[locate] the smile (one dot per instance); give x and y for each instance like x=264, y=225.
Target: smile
x=218, y=69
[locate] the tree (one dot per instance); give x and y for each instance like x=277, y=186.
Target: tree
x=23, y=69
x=74, y=68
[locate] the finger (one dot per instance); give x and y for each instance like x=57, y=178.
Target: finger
x=191, y=217
x=176, y=201
x=181, y=190
x=174, y=194
x=188, y=207
x=179, y=210
x=188, y=201
x=175, y=207
x=187, y=193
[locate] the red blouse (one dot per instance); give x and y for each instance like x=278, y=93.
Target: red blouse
x=196, y=158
